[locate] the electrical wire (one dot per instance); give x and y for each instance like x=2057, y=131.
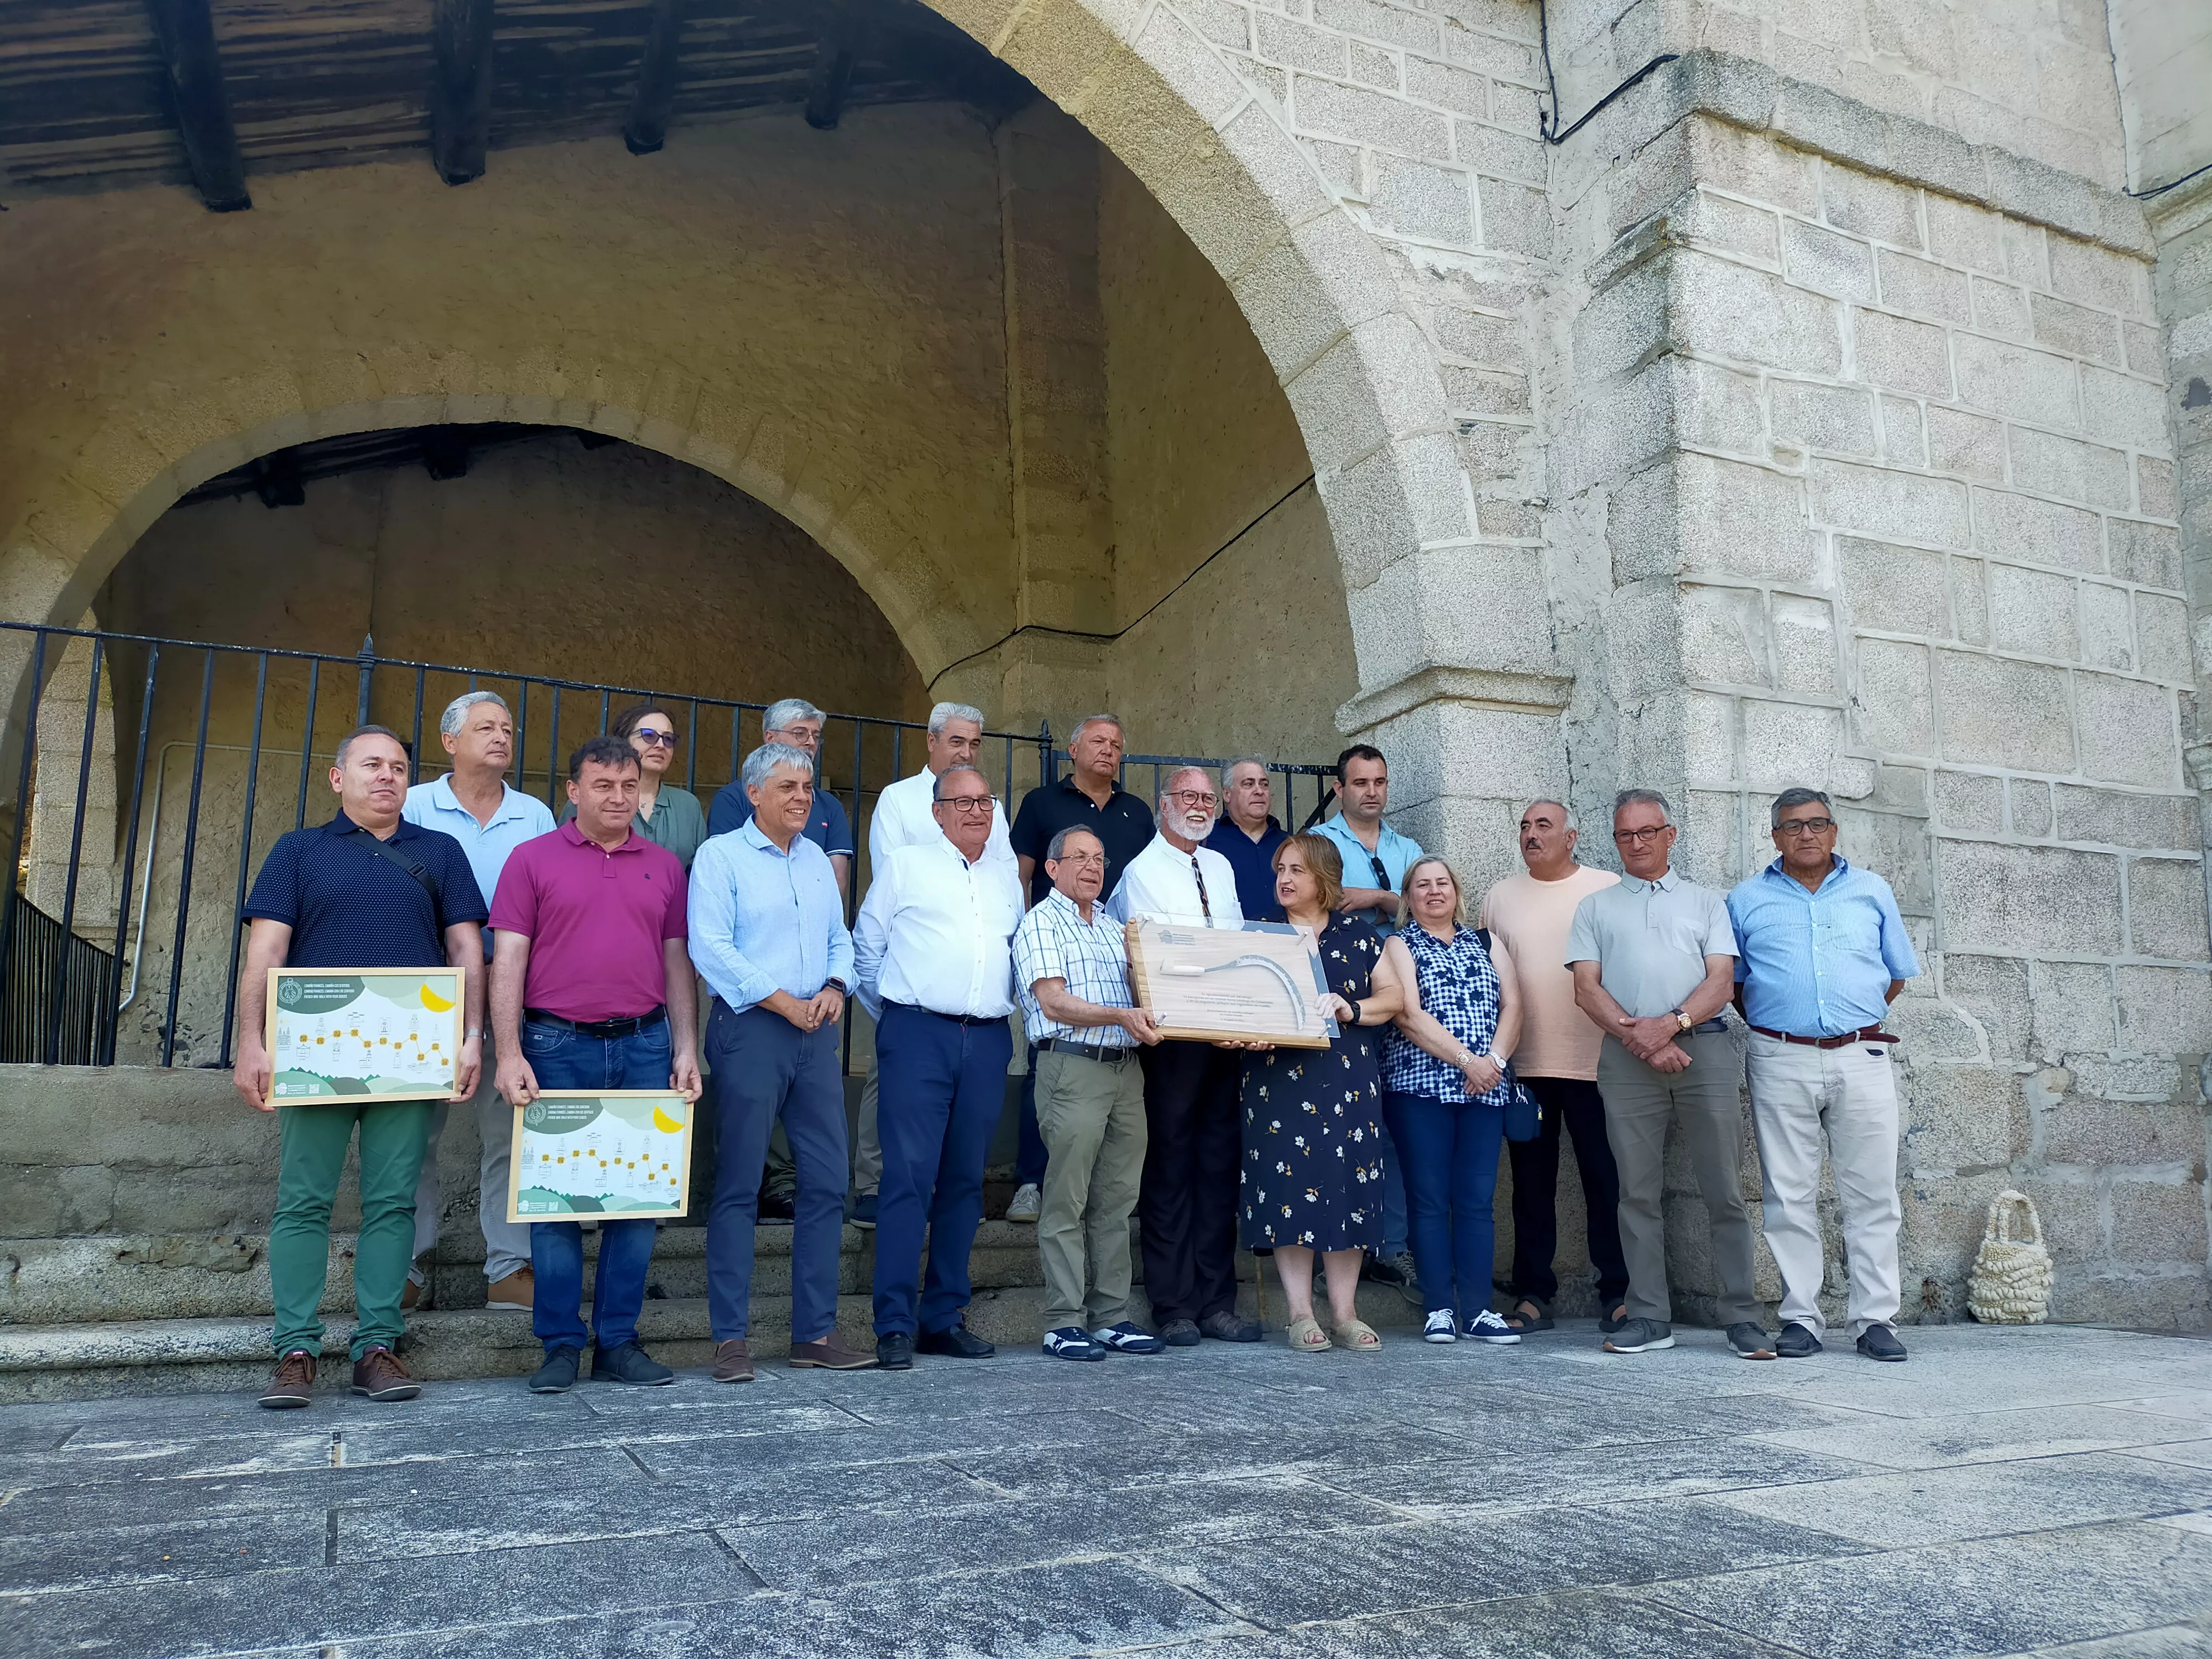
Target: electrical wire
x=1548, y=123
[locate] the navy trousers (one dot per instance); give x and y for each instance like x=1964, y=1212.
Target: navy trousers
x=1451, y=1152
x=941, y=1085
x=765, y=1068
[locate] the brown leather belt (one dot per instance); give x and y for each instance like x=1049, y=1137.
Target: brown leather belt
x=1866, y=1033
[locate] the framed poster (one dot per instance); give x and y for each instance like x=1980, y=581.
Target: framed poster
x=621, y=1154
x=392, y=1032
x=1260, y=982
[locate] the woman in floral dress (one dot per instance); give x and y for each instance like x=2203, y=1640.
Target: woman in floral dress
x=1313, y=1149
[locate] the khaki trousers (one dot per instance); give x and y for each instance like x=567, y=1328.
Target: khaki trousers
x=1707, y=1101
x=1092, y=1114
x=1848, y=1095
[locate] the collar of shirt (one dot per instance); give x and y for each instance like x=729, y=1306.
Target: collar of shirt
x=343, y=825
x=513, y=805
x=1839, y=871
x=1667, y=882
x=757, y=838
x=575, y=837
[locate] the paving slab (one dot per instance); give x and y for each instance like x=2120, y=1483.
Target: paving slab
x=2003, y=1493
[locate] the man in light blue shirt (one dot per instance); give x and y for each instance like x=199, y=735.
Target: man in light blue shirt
x=1821, y=952
x=473, y=805
x=1375, y=859
x=768, y=936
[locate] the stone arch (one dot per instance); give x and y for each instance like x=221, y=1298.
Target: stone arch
x=1312, y=282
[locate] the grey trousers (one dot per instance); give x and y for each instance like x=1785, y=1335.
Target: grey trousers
x=507, y=1243
x=1706, y=1099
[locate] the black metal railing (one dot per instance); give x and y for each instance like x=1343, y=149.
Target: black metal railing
x=138, y=820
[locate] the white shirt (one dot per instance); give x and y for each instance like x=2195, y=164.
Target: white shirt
x=1159, y=883
x=936, y=932
x=903, y=819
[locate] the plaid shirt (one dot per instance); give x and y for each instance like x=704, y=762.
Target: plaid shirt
x=1054, y=942
x=1459, y=987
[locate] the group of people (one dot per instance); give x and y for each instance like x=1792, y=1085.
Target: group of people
x=1582, y=1002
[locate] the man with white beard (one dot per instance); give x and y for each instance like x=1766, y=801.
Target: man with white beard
x=1188, y=1207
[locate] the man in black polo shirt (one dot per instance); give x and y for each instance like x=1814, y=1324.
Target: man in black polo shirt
x=364, y=890
x=1089, y=797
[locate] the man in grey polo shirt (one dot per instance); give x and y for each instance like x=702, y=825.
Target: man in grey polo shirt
x=1654, y=962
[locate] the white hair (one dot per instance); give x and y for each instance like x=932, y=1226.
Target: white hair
x=765, y=760
x=945, y=713
x=457, y=711
x=1229, y=767
x=1644, y=797
x=1566, y=812
x=778, y=716
x=1089, y=720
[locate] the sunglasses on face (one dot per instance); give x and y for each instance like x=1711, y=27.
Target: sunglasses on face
x=652, y=739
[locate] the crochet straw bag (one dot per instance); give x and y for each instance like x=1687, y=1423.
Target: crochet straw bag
x=2011, y=1280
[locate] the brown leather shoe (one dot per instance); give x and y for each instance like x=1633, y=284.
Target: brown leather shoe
x=294, y=1385
x=830, y=1354
x=733, y=1363
x=378, y=1375
x=517, y=1291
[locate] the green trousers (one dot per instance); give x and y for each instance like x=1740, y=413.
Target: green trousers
x=1092, y=1114
x=314, y=1140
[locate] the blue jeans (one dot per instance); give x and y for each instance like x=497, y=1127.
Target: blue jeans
x=766, y=1068
x=1395, y=1234
x=1030, y=1158
x=1451, y=1152
x=943, y=1084
x=563, y=1059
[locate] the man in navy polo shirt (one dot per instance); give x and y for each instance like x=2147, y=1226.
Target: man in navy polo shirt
x=364, y=890
x=1248, y=835
x=1090, y=797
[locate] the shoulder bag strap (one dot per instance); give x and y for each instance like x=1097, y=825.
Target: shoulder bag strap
x=414, y=867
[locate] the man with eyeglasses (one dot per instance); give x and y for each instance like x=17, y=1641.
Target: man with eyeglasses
x=1822, y=952
x=1194, y=1131
x=905, y=816
x=1654, y=962
x=932, y=952
x=1071, y=973
x=1375, y=859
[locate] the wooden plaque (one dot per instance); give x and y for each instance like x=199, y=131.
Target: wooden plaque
x=1259, y=982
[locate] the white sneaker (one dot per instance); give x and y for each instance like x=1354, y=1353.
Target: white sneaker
x=1442, y=1326
x=1487, y=1327
x=1028, y=1201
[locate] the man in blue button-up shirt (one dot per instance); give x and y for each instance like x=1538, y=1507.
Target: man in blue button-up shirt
x=768, y=936
x=1821, y=952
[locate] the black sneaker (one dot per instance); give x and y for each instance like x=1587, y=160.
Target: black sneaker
x=894, y=1352
x=1796, y=1341
x=1226, y=1326
x=1880, y=1342
x=958, y=1343
x=558, y=1374
x=629, y=1364
x=1640, y=1336
x=1748, y=1338
x=775, y=1208
x=863, y=1211
x=1180, y=1334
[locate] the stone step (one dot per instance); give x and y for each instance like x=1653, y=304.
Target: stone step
x=105, y=1279
x=87, y=1360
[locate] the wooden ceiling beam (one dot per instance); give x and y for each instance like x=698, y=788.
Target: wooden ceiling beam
x=185, y=30
x=833, y=66
x=461, y=88
x=647, y=129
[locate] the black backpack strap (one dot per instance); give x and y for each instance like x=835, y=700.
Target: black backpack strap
x=414, y=867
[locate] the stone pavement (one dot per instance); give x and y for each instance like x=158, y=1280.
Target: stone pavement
x=2007, y=1492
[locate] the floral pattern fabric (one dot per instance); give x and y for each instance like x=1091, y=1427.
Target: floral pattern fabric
x=1313, y=1141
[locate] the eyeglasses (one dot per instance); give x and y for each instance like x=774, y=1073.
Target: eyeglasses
x=1194, y=797
x=967, y=805
x=1640, y=836
x=1080, y=858
x=1806, y=826
x=652, y=739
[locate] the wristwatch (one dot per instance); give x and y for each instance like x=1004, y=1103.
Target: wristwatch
x=472, y=1034
x=838, y=986
x=1683, y=1019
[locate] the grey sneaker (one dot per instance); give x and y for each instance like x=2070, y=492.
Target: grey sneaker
x=1640, y=1336
x=1749, y=1340
x=1028, y=1202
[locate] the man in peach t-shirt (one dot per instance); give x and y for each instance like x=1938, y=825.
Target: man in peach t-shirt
x=1557, y=1059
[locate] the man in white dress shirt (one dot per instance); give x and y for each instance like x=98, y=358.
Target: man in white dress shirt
x=1188, y=1208
x=905, y=816
x=933, y=954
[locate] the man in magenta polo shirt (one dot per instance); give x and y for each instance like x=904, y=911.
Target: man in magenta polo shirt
x=591, y=988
